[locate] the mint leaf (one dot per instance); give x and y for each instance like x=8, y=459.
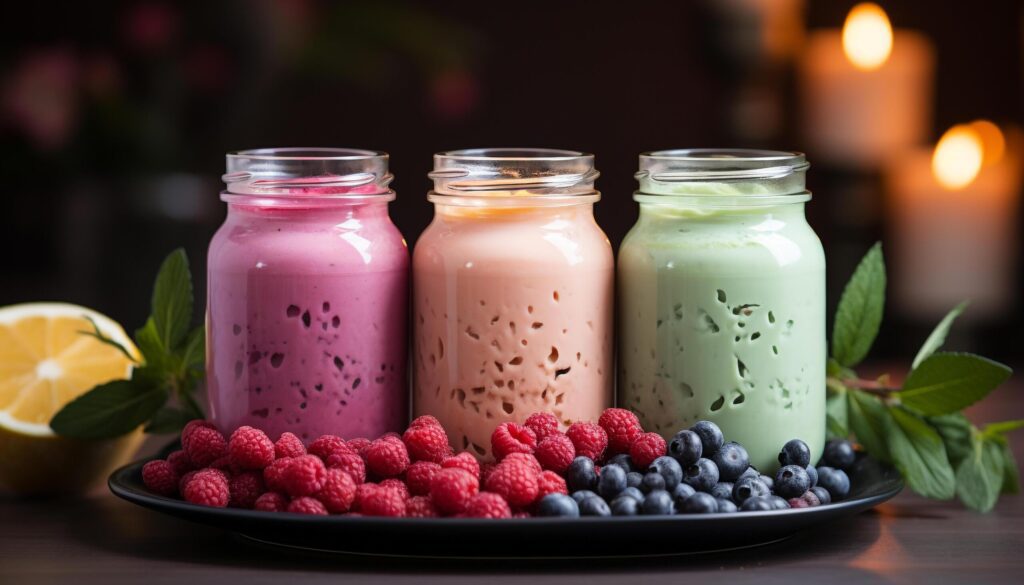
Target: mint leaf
x=947, y=382
x=956, y=433
x=97, y=334
x=860, y=310
x=837, y=418
x=108, y=410
x=194, y=354
x=918, y=452
x=172, y=300
x=980, y=476
x=150, y=344
x=1011, y=475
x=938, y=335
x=869, y=420
x=1001, y=428
x=168, y=420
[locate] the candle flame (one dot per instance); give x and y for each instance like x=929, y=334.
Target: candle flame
x=992, y=141
x=958, y=157
x=867, y=36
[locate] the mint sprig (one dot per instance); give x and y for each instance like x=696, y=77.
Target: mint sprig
x=919, y=426
x=161, y=391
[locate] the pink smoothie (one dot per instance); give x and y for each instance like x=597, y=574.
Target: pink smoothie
x=306, y=322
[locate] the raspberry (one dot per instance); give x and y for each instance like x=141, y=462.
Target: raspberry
x=338, y=493
x=427, y=443
x=523, y=458
x=486, y=469
x=325, y=445
x=397, y=485
x=192, y=425
x=543, y=424
x=622, y=428
x=358, y=445
x=203, y=445
x=465, y=461
x=288, y=445
x=160, y=477
x=350, y=463
x=488, y=505
x=390, y=436
x=362, y=492
x=250, y=448
x=645, y=449
x=425, y=420
x=208, y=487
x=180, y=462
x=304, y=476
x=589, y=439
x=307, y=505
x=185, y=479
x=512, y=438
x=420, y=507
x=379, y=500
x=245, y=489
x=224, y=464
x=418, y=476
x=521, y=514
x=451, y=489
x=271, y=502
x=549, y=482
x=555, y=453
x=515, y=481
x=387, y=457
x=273, y=474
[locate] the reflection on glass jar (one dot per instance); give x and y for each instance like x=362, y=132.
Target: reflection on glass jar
x=512, y=293
x=722, y=300
x=306, y=312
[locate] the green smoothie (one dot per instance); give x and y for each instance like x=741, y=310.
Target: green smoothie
x=722, y=314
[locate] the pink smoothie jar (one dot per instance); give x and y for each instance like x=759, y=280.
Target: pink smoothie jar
x=512, y=287
x=307, y=296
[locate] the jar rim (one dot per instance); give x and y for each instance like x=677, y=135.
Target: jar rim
x=534, y=173
x=309, y=173
x=313, y=153
x=719, y=165
x=512, y=154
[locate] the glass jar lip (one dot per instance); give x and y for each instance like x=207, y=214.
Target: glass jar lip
x=314, y=153
x=719, y=165
x=511, y=154
x=493, y=174
x=308, y=173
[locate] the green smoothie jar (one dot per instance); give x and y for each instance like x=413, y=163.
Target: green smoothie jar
x=722, y=300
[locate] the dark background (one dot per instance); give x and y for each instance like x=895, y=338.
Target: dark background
x=116, y=116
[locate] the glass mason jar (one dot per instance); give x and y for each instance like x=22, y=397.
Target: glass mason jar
x=722, y=300
x=512, y=293
x=307, y=296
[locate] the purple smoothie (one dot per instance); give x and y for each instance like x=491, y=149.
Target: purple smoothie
x=306, y=319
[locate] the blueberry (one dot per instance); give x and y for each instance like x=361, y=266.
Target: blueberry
x=839, y=454
x=725, y=506
x=835, y=481
x=795, y=452
x=812, y=471
x=658, y=502
x=652, y=481
x=711, y=437
x=611, y=481
x=632, y=492
x=581, y=474
x=823, y=496
x=624, y=461
x=699, y=503
x=758, y=504
x=634, y=479
x=682, y=492
x=749, y=472
x=791, y=481
x=702, y=475
x=625, y=506
x=732, y=460
x=767, y=480
x=669, y=469
x=723, y=490
x=747, y=488
x=594, y=506
x=778, y=503
x=558, y=505
x=686, y=447
x=582, y=495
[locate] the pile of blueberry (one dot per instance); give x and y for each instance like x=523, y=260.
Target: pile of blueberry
x=702, y=474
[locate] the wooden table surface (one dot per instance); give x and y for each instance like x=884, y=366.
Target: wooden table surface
x=101, y=539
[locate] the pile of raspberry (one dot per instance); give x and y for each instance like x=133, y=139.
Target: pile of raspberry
x=415, y=474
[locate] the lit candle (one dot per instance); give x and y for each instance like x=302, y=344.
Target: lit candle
x=866, y=91
x=953, y=222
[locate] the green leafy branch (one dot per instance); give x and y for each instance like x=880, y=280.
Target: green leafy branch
x=919, y=426
x=161, y=390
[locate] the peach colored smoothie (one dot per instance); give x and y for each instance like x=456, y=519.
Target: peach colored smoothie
x=512, y=313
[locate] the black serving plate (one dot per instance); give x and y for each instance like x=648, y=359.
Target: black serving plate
x=872, y=483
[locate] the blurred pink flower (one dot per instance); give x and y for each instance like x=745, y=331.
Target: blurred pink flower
x=454, y=93
x=150, y=26
x=40, y=97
